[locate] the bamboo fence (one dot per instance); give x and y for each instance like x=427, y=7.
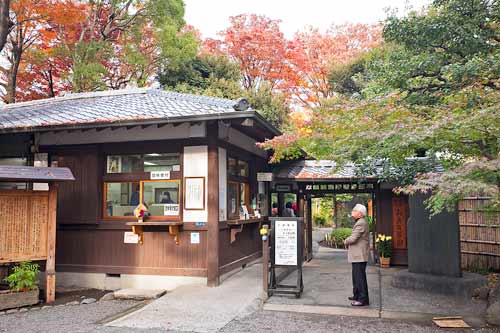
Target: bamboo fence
x=479, y=235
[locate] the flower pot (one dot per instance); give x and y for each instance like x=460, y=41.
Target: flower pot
x=385, y=262
x=15, y=299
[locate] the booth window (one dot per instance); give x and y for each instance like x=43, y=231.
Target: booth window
x=238, y=188
x=161, y=197
x=127, y=182
x=121, y=198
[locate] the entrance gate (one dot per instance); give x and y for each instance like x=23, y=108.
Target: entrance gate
x=389, y=211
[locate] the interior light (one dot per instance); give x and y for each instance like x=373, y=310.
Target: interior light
x=149, y=163
x=153, y=154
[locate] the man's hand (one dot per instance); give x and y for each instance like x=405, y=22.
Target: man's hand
x=345, y=243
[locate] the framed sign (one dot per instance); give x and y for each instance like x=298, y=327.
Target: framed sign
x=194, y=193
x=114, y=164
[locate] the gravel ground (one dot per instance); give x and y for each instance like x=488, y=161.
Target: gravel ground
x=69, y=318
x=86, y=318
x=270, y=321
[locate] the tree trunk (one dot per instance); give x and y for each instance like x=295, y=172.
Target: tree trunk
x=15, y=60
x=5, y=23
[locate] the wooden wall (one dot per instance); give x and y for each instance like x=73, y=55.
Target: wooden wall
x=479, y=235
x=103, y=251
x=247, y=247
x=87, y=243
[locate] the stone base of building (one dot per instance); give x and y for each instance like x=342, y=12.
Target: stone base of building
x=123, y=281
x=455, y=286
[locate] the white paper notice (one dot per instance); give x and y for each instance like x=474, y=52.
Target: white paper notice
x=130, y=238
x=171, y=209
x=195, y=238
x=286, y=243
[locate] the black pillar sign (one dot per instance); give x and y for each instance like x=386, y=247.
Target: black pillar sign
x=286, y=252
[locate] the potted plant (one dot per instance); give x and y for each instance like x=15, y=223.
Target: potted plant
x=23, y=286
x=384, y=247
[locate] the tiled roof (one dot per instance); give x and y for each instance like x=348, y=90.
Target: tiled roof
x=111, y=107
x=27, y=173
x=326, y=169
x=312, y=169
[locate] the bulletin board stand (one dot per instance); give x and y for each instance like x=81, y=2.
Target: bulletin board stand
x=286, y=255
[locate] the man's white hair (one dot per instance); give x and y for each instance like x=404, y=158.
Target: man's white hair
x=360, y=208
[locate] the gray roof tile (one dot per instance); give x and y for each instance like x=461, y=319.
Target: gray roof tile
x=110, y=107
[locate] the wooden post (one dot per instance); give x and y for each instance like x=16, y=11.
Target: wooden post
x=50, y=268
x=213, y=208
x=309, y=228
x=265, y=262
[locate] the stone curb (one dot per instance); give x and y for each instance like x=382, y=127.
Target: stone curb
x=45, y=307
x=366, y=313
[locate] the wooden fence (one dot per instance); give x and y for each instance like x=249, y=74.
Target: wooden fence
x=479, y=235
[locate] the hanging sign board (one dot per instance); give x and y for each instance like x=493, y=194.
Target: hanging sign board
x=160, y=174
x=285, y=243
x=264, y=176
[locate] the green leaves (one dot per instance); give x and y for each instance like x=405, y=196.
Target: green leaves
x=24, y=276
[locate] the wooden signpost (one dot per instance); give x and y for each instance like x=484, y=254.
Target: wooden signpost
x=286, y=252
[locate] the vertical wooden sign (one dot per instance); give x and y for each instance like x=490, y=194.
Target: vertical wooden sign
x=399, y=218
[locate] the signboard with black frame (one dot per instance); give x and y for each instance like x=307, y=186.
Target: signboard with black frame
x=286, y=252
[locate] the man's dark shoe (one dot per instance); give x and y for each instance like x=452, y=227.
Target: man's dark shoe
x=356, y=303
x=351, y=298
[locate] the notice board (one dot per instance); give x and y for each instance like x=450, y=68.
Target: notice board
x=286, y=243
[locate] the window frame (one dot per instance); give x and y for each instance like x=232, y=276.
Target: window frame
x=238, y=181
x=179, y=196
x=139, y=177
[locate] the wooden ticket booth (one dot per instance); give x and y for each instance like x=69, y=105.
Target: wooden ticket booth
x=28, y=217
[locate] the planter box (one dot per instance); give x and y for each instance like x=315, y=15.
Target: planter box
x=10, y=300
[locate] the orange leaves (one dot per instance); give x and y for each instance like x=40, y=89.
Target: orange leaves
x=258, y=45
x=298, y=67
x=315, y=52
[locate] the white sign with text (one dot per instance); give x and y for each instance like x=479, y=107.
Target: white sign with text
x=130, y=238
x=286, y=243
x=160, y=174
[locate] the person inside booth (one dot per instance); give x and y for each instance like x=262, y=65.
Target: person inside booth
x=288, y=211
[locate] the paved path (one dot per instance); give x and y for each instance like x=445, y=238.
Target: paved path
x=270, y=321
x=327, y=284
x=201, y=309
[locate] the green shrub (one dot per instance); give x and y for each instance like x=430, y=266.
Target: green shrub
x=337, y=236
x=24, y=276
x=320, y=220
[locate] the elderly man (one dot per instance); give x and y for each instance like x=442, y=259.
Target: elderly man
x=358, y=250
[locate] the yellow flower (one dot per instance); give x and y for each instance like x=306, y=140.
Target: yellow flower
x=388, y=238
x=382, y=238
